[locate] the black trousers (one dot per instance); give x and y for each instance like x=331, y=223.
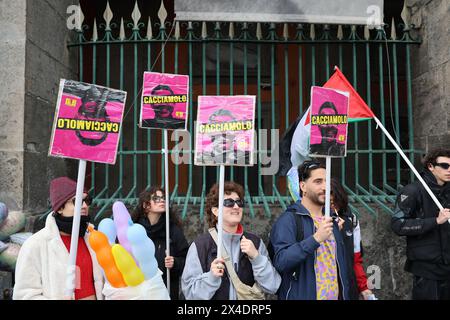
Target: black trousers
x=426, y=289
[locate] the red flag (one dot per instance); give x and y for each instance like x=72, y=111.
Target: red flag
x=358, y=110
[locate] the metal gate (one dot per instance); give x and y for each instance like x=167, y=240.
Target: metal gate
x=276, y=62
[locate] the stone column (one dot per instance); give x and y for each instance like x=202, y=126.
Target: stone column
x=431, y=74
x=12, y=101
x=34, y=57
x=48, y=59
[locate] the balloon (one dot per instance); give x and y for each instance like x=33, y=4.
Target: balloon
x=3, y=212
x=8, y=257
x=131, y=273
x=107, y=227
x=99, y=243
x=122, y=220
x=143, y=250
x=14, y=222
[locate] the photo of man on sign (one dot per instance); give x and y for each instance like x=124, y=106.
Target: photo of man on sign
x=328, y=123
x=225, y=130
x=87, y=122
x=164, y=101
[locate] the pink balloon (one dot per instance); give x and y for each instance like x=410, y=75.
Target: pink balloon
x=122, y=220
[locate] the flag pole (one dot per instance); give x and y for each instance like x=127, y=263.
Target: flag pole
x=166, y=187
x=220, y=215
x=328, y=187
x=71, y=267
x=425, y=185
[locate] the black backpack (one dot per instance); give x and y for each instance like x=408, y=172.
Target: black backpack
x=299, y=235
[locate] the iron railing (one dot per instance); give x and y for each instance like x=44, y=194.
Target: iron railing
x=276, y=62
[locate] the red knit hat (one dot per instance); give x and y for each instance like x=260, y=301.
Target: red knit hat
x=61, y=190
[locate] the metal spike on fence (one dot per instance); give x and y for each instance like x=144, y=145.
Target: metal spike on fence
x=136, y=15
x=406, y=16
x=204, y=31
x=393, y=32
x=80, y=18
x=285, y=31
x=231, y=30
x=122, y=30
x=149, y=29
x=258, y=31
x=162, y=13
x=312, y=32
x=94, y=31
x=177, y=30
x=366, y=32
x=108, y=15
x=340, y=33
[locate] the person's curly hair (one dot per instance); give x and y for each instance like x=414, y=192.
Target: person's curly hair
x=144, y=197
x=212, y=199
x=432, y=156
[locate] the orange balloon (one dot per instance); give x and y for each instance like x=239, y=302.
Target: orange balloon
x=100, y=244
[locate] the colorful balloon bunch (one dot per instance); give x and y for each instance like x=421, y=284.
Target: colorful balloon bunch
x=130, y=262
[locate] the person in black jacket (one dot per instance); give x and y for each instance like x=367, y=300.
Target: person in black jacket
x=150, y=212
x=427, y=229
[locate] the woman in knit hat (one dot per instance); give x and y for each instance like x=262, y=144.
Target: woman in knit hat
x=41, y=267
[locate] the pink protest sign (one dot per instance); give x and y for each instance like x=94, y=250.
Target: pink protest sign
x=87, y=122
x=164, y=103
x=329, y=110
x=225, y=130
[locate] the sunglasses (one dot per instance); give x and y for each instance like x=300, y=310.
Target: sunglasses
x=443, y=165
x=88, y=200
x=307, y=167
x=229, y=203
x=158, y=199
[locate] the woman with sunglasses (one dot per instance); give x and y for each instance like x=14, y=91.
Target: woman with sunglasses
x=205, y=276
x=150, y=213
x=42, y=262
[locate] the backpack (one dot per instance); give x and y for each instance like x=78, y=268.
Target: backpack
x=299, y=235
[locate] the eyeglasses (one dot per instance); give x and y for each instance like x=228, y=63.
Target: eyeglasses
x=88, y=200
x=229, y=203
x=309, y=166
x=443, y=165
x=158, y=199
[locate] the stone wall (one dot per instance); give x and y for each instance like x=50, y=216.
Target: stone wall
x=431, y=73
x=47, y=61
x=12, y=101
x=34, y=57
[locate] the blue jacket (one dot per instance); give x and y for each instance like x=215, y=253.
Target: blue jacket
x=295, y=260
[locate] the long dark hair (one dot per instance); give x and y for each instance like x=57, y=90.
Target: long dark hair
x=145, y=196
x=340, y=197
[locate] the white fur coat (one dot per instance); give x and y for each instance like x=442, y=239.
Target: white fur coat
x=42, y=263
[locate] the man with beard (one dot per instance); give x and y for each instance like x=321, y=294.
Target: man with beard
x=43, y=259
x=93, y=108
x=308, y=248
x=224, y=147
x=163, y=112
x=329, y=145
x=426, y=228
